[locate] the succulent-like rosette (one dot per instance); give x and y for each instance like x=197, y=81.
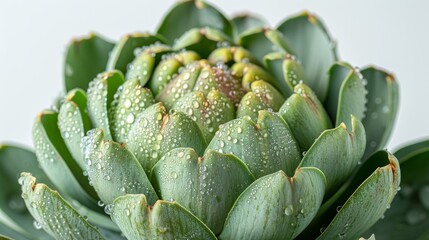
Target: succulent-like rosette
x=211, y=128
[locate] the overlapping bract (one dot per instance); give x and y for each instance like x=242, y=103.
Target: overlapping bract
x=215, y=129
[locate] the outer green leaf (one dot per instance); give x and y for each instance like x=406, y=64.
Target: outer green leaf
x=201, y=40
x=155, y=133
x=207, y=186
x=287, y=70
x=15, y=220
x=262, y=41
x=208, y=111
x=337, y=153
x=382, y=106
x=74, y=122
x=57, y=162
x=246, y=22
x=374, y=194
x=192, y=14
x=305, y=115
x=346, y=93
x=276, y=206
x=313, y=47
x=263, y=96
x=53, y=213
x=113, y=170
x=85, y=58
x=123, y=52
x=130, y=100
x=165, y=220
x=2, y=237
x=101, y=92
x=407, y=217
x=265, y=147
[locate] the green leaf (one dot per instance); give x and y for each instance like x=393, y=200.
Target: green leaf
x=407, y=217
x=248, y=22
x=85, y=58
x=265, y=147
x=101, y=93
x=154, y=133
x=262, y=41
x=207, y=110
x=192, y=14
x=201, y=40
x=263, y=96
x=53, y=213
x=164, y=220
x=337, y=153
x=204, y=185
x=113, y=170
x=276, y=206
x=313, y=46
x=249, y=73
x=129, y=101
x=147, y=58
x=15, y=220
x=74, y=122
x=382, y=106
x=305, y=115
x=373, y=193
x=346, y=93
x=169, y=67
x=3, y=237
x=287, y=70
x=123, y=52
x=57, y=162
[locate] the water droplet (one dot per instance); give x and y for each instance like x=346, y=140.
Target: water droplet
x=338, y=208
x=130, y=118
x=127, y=103
x=174, y=175
x=239, y=130
x=180, y=154
x=289, y=210
x=37, y=225
x=100, y=203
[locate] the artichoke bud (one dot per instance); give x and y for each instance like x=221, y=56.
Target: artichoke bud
x=168, y=68
x=145, y=61
x=230, y=55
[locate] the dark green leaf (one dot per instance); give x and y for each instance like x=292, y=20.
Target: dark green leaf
x=313, y=46
x=192, y=14
x=85, y=58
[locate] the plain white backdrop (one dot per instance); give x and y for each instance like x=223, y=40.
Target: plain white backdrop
x=34, y=35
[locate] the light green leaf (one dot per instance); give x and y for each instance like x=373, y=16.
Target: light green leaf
x=305, y=115
x=313, y=46
x=15, y=220
x=337, y=152
x=265, y=147
x=164, y=220
x=101, y=92
x=85, y=58
x=123, y=52
x=276, y=206
x=113, y=170
x=129, y=101
x=74, y=122
x=53, y=213
x=382, y=107
x=154, y=133
x=204, y=185
x=192, y=14
x=249, y=73
x=230, y=55
x=57, y=162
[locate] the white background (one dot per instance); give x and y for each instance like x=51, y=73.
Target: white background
x=392, y=34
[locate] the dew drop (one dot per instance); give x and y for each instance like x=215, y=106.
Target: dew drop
x=289, y=210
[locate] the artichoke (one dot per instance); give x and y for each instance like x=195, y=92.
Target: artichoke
x=210, y=128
